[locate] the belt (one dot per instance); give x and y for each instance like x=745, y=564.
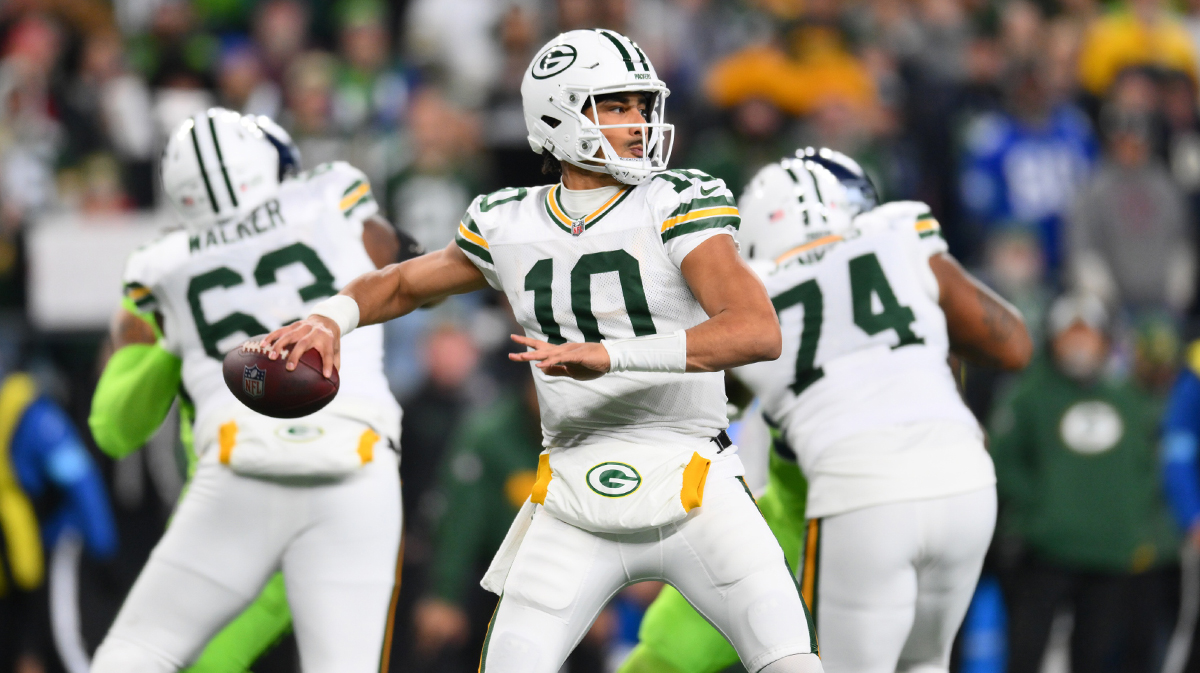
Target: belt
x=722, y=441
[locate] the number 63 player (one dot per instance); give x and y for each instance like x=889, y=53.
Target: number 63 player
x=628, y=283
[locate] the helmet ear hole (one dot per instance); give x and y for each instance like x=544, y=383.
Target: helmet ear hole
x=551, y=121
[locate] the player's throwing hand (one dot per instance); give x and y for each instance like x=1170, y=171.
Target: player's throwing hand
x=580, y=361
x=315, y=332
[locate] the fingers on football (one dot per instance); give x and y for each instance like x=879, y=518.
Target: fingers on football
x=277, y=342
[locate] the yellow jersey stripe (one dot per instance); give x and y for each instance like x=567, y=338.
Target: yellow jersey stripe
x=353, y=197
x=472, y=236
x=554, y=205
x=927, y=224
x=698, y=215
x=824, y=240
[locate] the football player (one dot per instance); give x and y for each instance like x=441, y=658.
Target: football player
x=626, y=278
x=256, y=251
x=900, y=491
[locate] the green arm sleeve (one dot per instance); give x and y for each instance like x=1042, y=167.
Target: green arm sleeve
x=249, y=635
x=133, y=397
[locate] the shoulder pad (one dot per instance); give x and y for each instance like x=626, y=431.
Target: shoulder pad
x=150, y=263
x=898, y=216
x=335, y=182
x=683, y=179
x=688, y=200
x=486, y=202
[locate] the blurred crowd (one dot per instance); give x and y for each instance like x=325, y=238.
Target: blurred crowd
x=1057, y=141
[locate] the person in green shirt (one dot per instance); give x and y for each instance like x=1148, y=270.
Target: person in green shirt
x=1083, y=521
x=488, y=473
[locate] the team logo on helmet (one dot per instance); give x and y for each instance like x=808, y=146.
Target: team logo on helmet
x=254, y=381
x=613, y=480
x=556, y=59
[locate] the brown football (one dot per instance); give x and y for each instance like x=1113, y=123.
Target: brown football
x=265, y=386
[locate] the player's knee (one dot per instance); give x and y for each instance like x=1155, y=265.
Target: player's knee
x=796, y=663
x=119, y=656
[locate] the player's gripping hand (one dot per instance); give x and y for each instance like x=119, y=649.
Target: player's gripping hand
x=580, y=361
x=316, y=332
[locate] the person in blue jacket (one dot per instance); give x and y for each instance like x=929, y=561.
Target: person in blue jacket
x=48, y=484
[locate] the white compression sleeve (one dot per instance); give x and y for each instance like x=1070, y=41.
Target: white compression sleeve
x=655, y=353
x=341, y=309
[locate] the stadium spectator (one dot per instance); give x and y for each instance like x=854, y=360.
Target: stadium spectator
x=370, y=91
x=1129, y=237
x=427, y=197
x=1081, y=503
x=1023, y=165
x=49, y=487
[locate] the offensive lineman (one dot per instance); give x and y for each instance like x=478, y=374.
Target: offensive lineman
x=900, y=492
x=624, y=276
x=266, y=494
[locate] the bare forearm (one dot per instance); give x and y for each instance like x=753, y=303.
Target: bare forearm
x=380, y=295
x=742, y=327
x=983, y=327
x=731, y=339
x=398, y=289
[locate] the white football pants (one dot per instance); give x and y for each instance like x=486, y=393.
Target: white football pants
x=891, y=583
x=722, y=558
x=336, y=542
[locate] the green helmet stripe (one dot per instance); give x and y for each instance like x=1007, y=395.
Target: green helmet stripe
x=642, y=55
x=212, y=199
x=620, y=47
x=221, y=160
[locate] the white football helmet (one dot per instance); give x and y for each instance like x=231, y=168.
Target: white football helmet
x=218, y=166
x=565, y=78
x=788, y=204
x=861, y=194
x=290, y=162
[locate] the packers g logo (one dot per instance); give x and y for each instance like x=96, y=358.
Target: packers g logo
x=613, y=480
x=556, y=59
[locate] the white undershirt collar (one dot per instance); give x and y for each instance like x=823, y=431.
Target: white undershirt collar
x=582, y=202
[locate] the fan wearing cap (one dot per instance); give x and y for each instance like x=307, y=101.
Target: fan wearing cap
x=1078, y=481
x=626, y=279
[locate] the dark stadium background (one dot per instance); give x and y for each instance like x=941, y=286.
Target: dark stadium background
x=1023, y=124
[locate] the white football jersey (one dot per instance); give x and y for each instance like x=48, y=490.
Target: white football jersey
x=611, y=274
x=865, y=352
x=217, y=287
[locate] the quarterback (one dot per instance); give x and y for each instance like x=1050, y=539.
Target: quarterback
x=256, y=251
x=627, y=281
x=900, y=495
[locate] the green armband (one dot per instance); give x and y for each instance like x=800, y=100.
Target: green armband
x=133, y=397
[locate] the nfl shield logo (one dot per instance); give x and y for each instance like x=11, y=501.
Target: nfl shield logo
x=577, y=227
x=254, y=381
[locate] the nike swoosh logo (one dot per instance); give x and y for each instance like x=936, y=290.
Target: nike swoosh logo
x=591, y=66
x=706, y=192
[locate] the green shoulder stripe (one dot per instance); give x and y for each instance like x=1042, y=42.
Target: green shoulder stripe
x=469, y=223
x=475, y=250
